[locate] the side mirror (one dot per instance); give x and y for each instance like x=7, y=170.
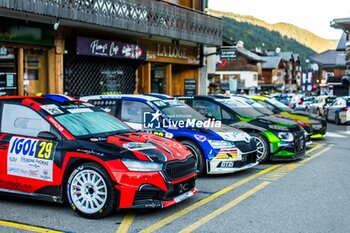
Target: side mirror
x=209, y=115
x=47, y=135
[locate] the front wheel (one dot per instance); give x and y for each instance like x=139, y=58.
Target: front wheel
x=262, y=147
x=90, y=191
x=197, y=152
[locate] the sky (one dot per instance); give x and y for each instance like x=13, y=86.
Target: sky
x=314, y=16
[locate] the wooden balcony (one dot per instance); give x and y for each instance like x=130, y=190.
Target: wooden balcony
x=151, y=17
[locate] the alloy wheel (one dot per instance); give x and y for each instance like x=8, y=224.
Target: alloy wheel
x=88, y=191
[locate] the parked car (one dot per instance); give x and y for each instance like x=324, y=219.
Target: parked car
x=283, y=98
x=339, y=110
x=277, y=139
x=259, y=107
x=296, y=98
x=318, y=106
x=304, y=103
x=56, y=148
x=317, y=123
x=218, y=150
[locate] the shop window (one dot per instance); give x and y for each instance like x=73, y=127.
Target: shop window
x=8, y=71
x=35, y=72
x=21, y=120
x=133, y=111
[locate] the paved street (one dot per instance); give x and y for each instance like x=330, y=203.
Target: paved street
x=309, y=195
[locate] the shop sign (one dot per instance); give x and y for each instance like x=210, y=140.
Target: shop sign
x=26, y=34
x=108, y=48
x=228, y=54
x=190, y=87
x=177, y=54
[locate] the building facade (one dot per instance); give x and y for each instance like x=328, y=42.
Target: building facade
x=344, y=24
x=95, y=47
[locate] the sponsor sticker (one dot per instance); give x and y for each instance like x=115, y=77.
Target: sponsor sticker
x=31, y=158
x=230, y=154
x=52, y=109
x=79, y=110
x=138, y=146
x=183, y=196
x=200, y=138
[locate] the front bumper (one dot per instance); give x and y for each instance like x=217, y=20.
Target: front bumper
x=176, y=182
x=242, y=162
x=288, y=151
x=319, y=130
x=160, y=204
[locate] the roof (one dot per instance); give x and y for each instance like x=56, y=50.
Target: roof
x=342, y=43
x=343, y=23
x=296, y=57
x=330, y=58
x=143, y=97
x=258, y=97
x=252, y=56
x=271, y=62
x=286, y=56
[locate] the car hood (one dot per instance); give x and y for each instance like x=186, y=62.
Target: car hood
x=276, y=120
x=231, y=134
x=307, y=114
x=144, y=146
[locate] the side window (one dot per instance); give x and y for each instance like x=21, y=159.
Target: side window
x=266, y=105
x=133, y=111
x=225, y=115
x=21, y=120
x=207, y=108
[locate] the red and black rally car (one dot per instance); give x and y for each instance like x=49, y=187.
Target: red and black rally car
x=56, y=148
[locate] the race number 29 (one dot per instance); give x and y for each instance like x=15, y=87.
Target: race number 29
x=45, y=150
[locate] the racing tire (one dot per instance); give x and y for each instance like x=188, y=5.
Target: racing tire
x=318, y=112
x=262, y=145
x=90, y=191
x=326, y=116
x=337, y=120
x=197, y=152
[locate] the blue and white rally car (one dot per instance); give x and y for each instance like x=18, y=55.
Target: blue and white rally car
x=218, y=148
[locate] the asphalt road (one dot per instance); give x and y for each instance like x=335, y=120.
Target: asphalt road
x=309, y=195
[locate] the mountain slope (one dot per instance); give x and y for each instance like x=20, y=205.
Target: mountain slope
x=303, y=36
x=256, y=37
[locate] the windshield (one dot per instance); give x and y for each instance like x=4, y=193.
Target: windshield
x=309, y=98
x=279, y=105
x=178, y=111
x=92, y=124
x=241, y=108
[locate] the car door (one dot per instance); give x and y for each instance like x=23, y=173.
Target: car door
x=333, y=108
x=134, y=113
x=27, y=160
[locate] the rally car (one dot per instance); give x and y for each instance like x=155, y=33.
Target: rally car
x=276, y=138
x=317, y=123
x=218, y=148
x=259, y=107
x=56, y=148
x=339, y=110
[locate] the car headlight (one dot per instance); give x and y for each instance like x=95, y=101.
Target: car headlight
x=278, y=127
x=221, y=144
x=315, y=121
x=142, y=166
x=285, y=136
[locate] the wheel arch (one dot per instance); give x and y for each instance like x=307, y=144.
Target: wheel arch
x=71, y=165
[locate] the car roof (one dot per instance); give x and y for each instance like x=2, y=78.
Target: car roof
x=120, y=96
x=258, y=97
